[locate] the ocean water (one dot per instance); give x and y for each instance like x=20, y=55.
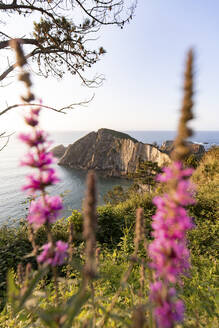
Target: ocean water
x=72, y=184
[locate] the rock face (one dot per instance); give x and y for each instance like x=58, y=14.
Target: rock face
x=58, y=151
x=111, y=152
x=196, y=149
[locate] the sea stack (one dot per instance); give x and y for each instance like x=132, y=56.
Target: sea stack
x=110, y=152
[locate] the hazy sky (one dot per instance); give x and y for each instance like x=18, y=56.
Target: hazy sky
x=143, y=68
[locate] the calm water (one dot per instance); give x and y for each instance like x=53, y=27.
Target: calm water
x=12, y=176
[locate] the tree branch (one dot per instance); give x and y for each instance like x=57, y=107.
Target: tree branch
x=2, y=135
x=15, y=6
x=60, y=110
x=106, y=7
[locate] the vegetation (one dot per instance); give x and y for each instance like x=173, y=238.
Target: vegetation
x=145, y=175
x=115, y=235
x=113, y=272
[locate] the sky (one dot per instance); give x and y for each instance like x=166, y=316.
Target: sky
x=143, y=70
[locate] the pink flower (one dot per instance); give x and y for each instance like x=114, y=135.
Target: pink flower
x=34, y=111
x=169, y=312
x=55, y=256
x=40, y=181
x=183, y=193
x=169, y=258
x=60, y=253
x=40, y=160
x=176, y=171
x=44, y=210
x=46, y=255
x=31, y=118
x=33, y=139
x=166, y=175
x=168, y=308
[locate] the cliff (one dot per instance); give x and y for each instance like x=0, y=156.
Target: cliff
x=111, y=152
x=196, y=149
x=58, y=151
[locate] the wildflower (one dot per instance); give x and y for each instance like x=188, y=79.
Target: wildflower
x=168, y=309
x=40, y=160
x=53, y=257
x=31, y=118
x=33, y=139
x=168, y=251
x=40, y=181
x=44, y=210
x=32, y=121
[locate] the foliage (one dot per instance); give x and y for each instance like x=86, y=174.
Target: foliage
x=15, y=246
x=192, y=161
x=206, y=176
x=76, y=219
x=146, y=173
x=200, y=291
x=115, y=231
x=116, y=195
x=60, y=39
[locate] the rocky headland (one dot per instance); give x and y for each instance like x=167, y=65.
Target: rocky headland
x=196, y=149
x=110, y=152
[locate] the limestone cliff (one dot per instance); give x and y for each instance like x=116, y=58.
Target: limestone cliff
x=111, y=152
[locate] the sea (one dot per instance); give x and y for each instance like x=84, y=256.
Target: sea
x=14, y=203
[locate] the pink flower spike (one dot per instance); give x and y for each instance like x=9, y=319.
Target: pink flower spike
x=168, y=251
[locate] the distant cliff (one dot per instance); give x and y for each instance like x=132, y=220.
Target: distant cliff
x=58, y=151
x=111, y=152
x=196, y=149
